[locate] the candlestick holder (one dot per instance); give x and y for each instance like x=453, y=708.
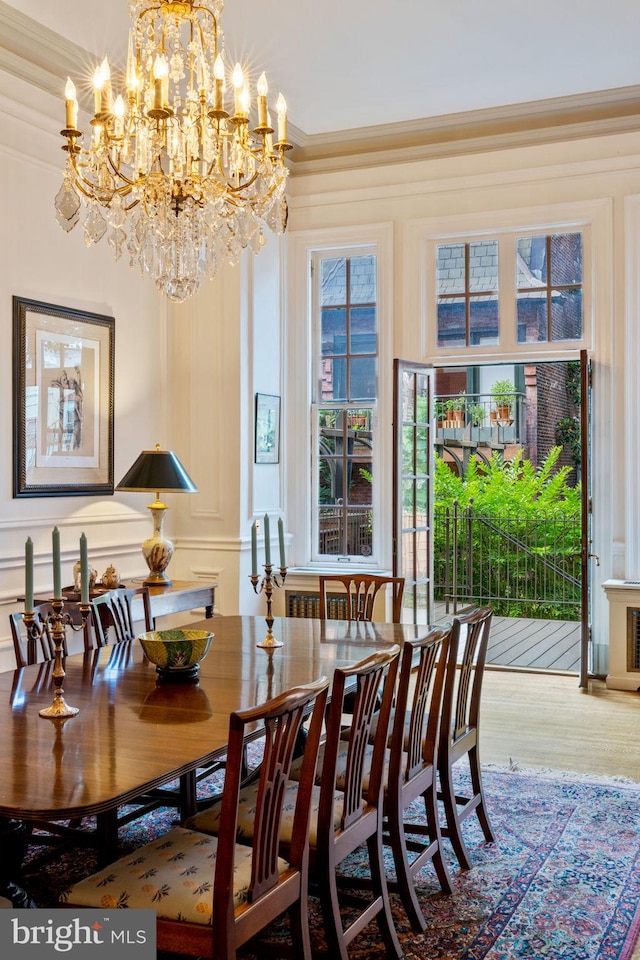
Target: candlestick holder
x=266, y=585
x=56, y=622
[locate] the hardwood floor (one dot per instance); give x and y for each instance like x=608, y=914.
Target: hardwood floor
x=546, y=720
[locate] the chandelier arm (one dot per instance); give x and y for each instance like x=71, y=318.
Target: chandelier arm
x=118, y=172
x=243, y=186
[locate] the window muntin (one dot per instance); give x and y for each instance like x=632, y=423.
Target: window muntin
x=345, y=481
x=549, y=297
x=344, y=413
x=466, y=293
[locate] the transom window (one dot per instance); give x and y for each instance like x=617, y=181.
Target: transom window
x=549, y=288
x=344, y=409
x=467, y=287
x=526, y=289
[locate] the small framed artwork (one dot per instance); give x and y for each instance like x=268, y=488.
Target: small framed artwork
x=267, y=428
x=63, y=365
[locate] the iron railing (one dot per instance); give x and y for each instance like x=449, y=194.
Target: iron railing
x=522, y=566
x=477, y=417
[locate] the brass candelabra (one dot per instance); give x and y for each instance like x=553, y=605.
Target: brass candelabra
x=265, y=585
x=56, y=622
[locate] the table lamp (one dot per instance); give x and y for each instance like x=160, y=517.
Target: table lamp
x=158, y=470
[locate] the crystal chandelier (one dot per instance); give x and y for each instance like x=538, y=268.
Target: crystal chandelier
x=176, y=171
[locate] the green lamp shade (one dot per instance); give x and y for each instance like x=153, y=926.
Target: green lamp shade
x=157, y=470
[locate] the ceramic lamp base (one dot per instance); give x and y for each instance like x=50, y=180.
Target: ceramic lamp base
x=157, y=550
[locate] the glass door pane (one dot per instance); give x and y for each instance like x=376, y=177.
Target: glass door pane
x=412, y=488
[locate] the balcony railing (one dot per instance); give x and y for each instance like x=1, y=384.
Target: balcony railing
x=477, y=417
x=523, y=566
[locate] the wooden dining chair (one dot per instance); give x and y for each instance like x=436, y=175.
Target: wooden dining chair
x=359, y=594
x=341, y=820
x=411, y=766
x=460, y=726
x=33, y=646
x=112, y=615
x=211, y=893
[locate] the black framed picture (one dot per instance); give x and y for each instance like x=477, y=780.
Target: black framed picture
x=267, y=428
x=63, y=373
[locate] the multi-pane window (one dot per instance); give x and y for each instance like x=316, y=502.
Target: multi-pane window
x=467, y=293
x=546, y=284
x=347, y=393
x=549, y=288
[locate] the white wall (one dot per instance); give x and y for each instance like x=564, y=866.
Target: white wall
x=226, y=345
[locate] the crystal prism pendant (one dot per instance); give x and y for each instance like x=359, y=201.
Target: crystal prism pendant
x=67, y=204
x=117, y=240
x=94, y=225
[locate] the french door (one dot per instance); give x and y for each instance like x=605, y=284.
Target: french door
x=586, y=645
x=413, y=487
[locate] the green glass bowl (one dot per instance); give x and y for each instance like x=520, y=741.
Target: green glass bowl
x=176, y=653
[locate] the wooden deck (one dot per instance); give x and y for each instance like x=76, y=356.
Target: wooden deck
x=536, y=644
x=539, y=644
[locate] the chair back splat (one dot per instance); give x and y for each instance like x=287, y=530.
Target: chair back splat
x=358, y=774
x=361, y=590
x=34, y=646
x=460, y=728
x=412, y=764
x=235, y=889
x=111, y=612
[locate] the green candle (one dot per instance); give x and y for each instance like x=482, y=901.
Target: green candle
x=28, y=575
x=267, y=541
x=254, y=549
x=84, y=570
x=281, y=539
x=57, y=590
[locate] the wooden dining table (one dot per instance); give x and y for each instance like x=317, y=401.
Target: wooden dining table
x=134, y=733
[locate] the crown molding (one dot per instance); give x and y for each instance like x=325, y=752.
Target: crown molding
x=43, y=59
x=600, y=113
x=36, y=54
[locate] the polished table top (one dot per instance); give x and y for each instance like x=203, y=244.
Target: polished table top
x=132, y=733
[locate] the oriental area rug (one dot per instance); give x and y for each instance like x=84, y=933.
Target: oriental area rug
x=560, y=882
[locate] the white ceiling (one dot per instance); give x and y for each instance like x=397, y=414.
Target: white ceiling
x=345, y=64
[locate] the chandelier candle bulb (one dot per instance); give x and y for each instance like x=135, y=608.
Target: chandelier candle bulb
x=97, y=91
x=218, y=85
x=71, y=104
x=263, y=89
x=57, y=578
x=281, y=107
x=28, y=576
x=267, y=541
x=160, y=83
x=106, y=85
x=238, y=87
